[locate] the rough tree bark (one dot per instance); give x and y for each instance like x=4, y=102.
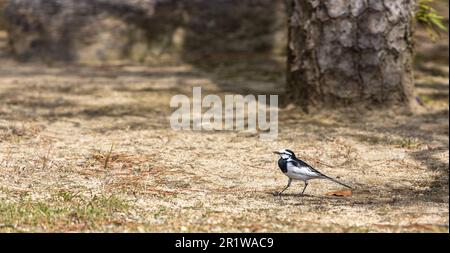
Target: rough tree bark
x=347, y=52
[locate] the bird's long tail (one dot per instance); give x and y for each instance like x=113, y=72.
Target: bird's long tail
x=334, y=180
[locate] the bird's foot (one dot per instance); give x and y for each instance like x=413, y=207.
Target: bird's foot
x=276, y=194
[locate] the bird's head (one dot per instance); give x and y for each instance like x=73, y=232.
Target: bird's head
x=285, y=153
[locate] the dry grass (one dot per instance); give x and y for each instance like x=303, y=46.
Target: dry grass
x=90, y=149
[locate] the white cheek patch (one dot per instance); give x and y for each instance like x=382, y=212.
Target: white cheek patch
x=284, y=156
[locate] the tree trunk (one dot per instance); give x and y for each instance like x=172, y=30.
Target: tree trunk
x=347, y=52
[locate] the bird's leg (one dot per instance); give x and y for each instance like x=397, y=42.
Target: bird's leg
x=304, y=188
x=289, y=184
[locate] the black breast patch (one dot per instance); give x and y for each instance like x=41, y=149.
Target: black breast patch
x=283, y=165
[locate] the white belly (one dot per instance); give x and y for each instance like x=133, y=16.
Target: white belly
x=296, y=176
x=300, y=173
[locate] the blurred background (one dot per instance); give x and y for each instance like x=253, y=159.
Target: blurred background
x=203, y=33
x=226, y=37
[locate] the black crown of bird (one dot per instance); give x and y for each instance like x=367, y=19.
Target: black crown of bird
x=296, y=169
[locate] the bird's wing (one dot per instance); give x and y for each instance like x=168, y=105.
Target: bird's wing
x=310, y=171
x=300, y=163
x=302, y=168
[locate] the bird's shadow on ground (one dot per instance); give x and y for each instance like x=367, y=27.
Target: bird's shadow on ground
x=358, y=197
x=308, y=197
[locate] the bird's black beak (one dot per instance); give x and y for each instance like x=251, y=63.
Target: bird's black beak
x=276, y=152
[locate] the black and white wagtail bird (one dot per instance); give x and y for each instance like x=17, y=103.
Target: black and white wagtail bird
x=296, y=169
